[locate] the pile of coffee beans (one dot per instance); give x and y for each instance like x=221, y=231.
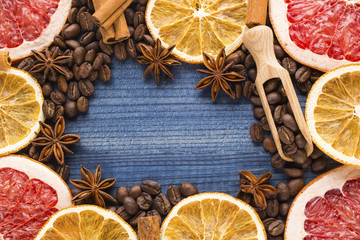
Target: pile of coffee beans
x=147, y=200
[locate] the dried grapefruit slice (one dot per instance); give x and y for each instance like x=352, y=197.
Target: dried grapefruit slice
x=323, y=34
x=327, y=208
x=30, y=193
x=196, y=26
x=333, y=114
x=27, y=25
x=86, y=222
x=216, y=216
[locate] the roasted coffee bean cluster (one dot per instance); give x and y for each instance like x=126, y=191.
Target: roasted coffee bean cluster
x=89, y=60
x=148, y=200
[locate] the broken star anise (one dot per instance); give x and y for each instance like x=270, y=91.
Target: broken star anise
x=53, y=142
x=219, y=75
x=158, y=58
x=257, y=187
x=48, y=62
x=92, y=187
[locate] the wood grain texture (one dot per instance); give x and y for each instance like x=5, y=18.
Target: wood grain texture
x=148, y=228
x=169, y=133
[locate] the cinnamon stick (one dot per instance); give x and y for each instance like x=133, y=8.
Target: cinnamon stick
x=107, y=34
x=148, y=228
x=121, y=29
x=5, y=60
x=256, y=12
x=110, y=12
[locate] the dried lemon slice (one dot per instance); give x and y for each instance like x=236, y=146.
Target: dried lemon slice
x=86, y=222
x=196, y=26
x=21, y=102
x=333, y=114
x=214, y=216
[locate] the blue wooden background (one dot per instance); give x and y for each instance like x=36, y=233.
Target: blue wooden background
x=170, y=133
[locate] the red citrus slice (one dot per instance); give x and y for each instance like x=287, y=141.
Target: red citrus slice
x=327, y=208
x=29, y=194
x=27, y=25
x=323, y=34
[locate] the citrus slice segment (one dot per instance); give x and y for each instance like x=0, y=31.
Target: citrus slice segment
x=322, y=34
x=197, y=26
x=30, y=25
x=333, y=114
x=30, y=193
x=214, y=216
x=327, y=208
x=20, y=109
x=86, y=222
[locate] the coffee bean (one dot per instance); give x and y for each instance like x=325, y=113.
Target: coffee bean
x=246, y=197
x=256, y=132
x=129, y=16
x=144, y=201
x=90, y=56
x=84, y=70
x=271, y=85
x=187, y=189
x=106, y=48
x=93, y=75
x=290, y=122
x=73, y=44
x=316, y=153
x=93, y=45
x=140, y=7
x=276, y=228
x=86, y=21
x=299, y=156
x=284, y=209
x=239, y=68
x=106, y=58
x=139, y=32
x=269, y=145
x=256, y=101
x=75, y=3
x=259, y=112
x=249, y=62
x=82, y=104
x=272, y=208
x=79, y=55
x=139, y=18
x=134, y=221
x=120, y=51
x=252, y=73
x=162, y=204
x=111, y=208
x=319, y=165
x=72, y=31
x=73, y=91
x=130, y=48
x=306, y=164
x=286, y=135
x=123, y=214
x=104, y=73
x=248, y=89
x=59, y=111
x=121, y=193
x=57, y=97
x=268, y=221
x=277, y=161
x=289, y=149
x=70, y=54
x=26, y=64
x=279, y=52
x=72, y=15
x=87, y=38
x=295, y=185
x=86, y=88
x=151, y=187
x=284, y=192
x=83, y=3
x=130, y=205
x=315, y=75
x=47, y=89
x=63, y=171
x=265, y=124
x=303, y=74
x=300, y=141
x=279, y=112
x=48, y=109
x=174, y=195
x=261, y=213
x=293, y=172
x=135, y=191
x=97, y=62
x=81, y=10
x=274, y=97
x=62, y=84
x=70, y=109
x=63, y=29
x=289, y=64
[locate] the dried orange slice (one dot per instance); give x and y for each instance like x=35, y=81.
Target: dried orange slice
x=196, y=26
x=21, y=102
x=333, y=114
x=216, y=216
x=86, y=222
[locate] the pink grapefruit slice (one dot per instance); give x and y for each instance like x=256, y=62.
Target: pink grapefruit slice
x=30, y=193
x=322, y=34
x=27, y=25
x=327, y=208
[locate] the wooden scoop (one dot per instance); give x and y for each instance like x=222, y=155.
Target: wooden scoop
x=259, y=41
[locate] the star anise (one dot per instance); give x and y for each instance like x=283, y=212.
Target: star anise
x=219, y=75
x=92, y=187
x=158, y=58
x=257, y=187
x=53, y=142
x=50, y=63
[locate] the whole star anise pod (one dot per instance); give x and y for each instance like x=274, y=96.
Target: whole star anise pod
x=53, y=142
x=219, y=75
x=158, y=59
x=50, y=63
x=92, y=187
x=257, y=187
